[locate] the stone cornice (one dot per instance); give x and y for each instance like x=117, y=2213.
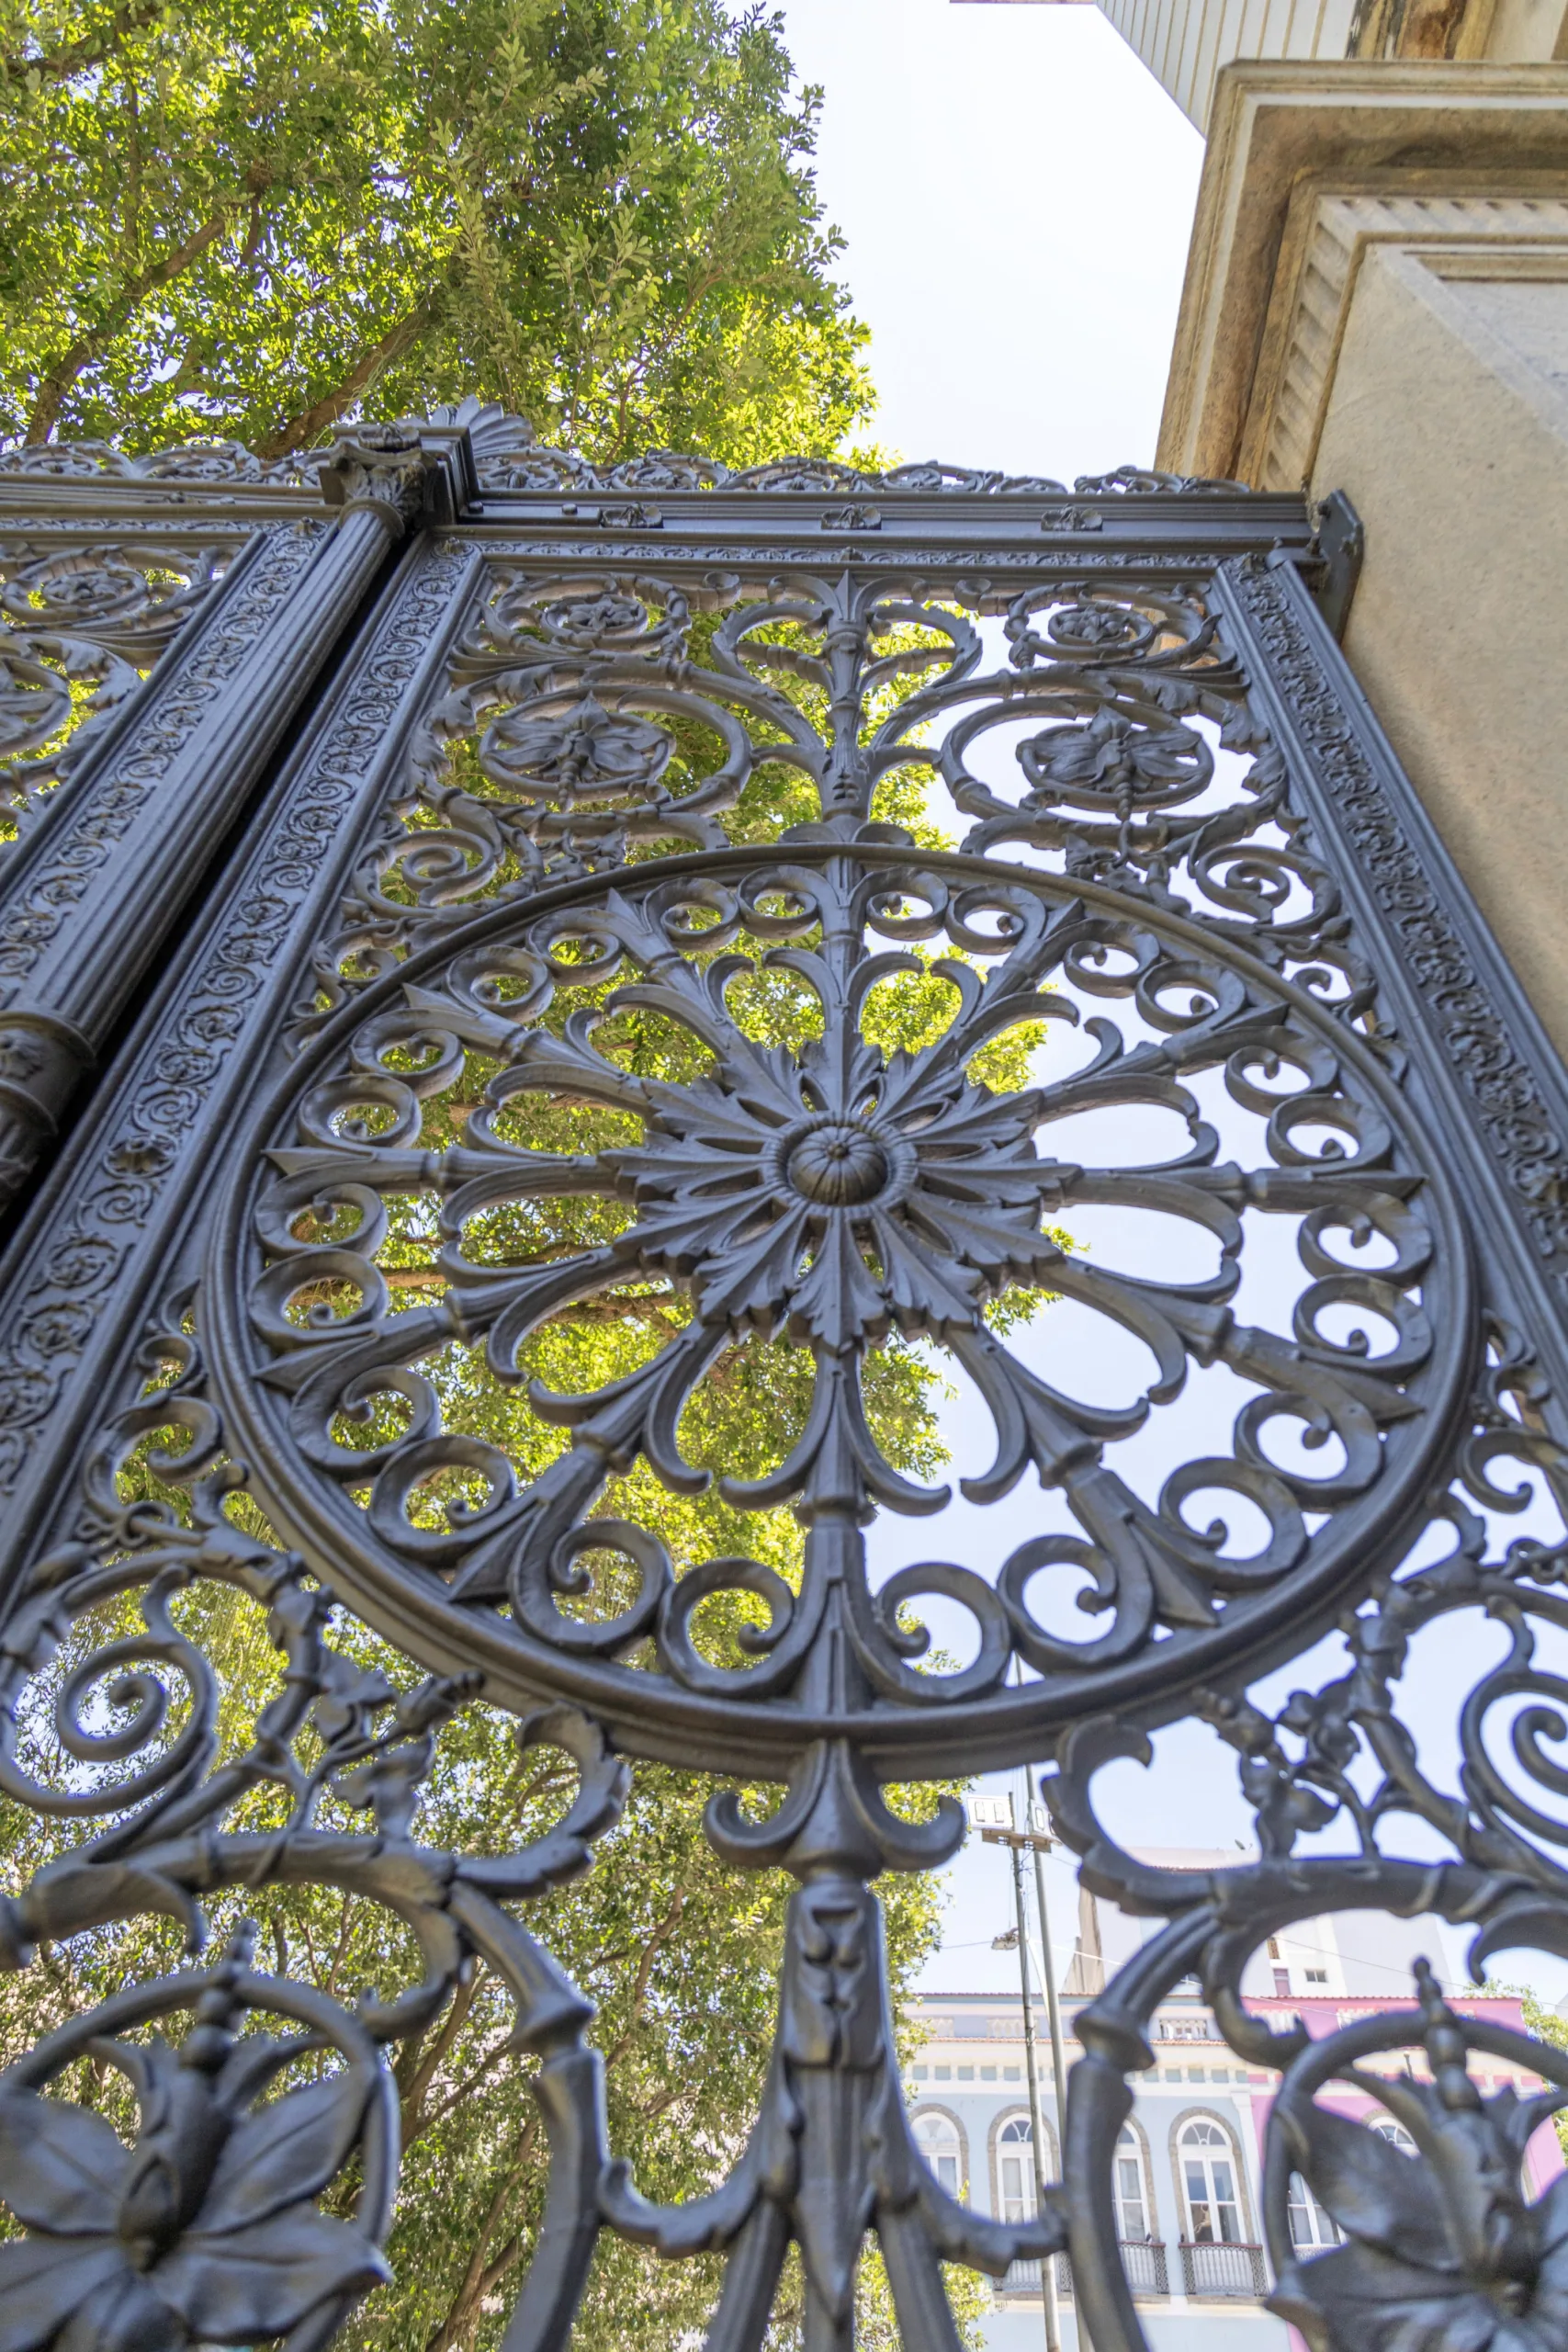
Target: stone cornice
x=1282, y=129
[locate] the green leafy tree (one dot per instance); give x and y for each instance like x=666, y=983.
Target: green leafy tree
x=1546, y=2026
x=251, y=218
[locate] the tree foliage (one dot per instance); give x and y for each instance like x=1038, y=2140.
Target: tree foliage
x=1546, y=2025
x=254, y=217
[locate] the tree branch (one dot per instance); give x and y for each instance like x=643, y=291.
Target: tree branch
x=608, y=1306
x=549, y=1775
x=469, y=2083
x=302, y=430
x=80, y=56
x=650, y=1952
x=485, y=2272
x=481, y=2276
x=345, y=1922
x=87, y=347
x=420, y=2062
x=651, y=2108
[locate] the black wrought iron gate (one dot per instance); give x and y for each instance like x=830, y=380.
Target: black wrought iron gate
x=373, y=813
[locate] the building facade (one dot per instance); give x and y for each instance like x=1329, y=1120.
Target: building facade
x=1189, y=2157
x=1376, y=304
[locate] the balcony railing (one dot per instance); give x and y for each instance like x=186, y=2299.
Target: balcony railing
x=1144, y=2264
x=1211, y=2270
x=1144, y=2260
x=1023, y=2277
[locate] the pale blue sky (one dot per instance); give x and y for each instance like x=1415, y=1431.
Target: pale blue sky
x=1016, y=193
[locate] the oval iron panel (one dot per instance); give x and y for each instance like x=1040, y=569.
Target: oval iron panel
x=780, y=1178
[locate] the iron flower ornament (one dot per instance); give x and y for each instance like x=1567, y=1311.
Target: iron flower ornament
x=206, y=2230
x=1443, y=2251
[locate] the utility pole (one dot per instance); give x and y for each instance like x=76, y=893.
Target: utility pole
x=1036, y=2114
x=1040, y=1846
x=1038, y=1843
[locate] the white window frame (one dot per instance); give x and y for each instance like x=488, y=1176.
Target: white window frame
x=1131, y=2148
x=1004, y=2150
x=955, y=2145
x=1321, y=2231
x=1221, y=2148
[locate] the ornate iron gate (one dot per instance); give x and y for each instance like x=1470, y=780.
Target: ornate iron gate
x=357, y=800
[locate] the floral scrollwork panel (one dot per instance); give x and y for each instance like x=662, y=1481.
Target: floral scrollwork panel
x=829, y=1180
x=813, y=1185
x=79, y=630
x=1412, y=2146
x=600, y=718
x=189, y=2209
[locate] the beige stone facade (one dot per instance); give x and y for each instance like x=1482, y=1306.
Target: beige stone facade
x=1377, y=301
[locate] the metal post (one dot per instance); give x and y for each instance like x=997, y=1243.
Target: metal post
x=1036, y=2117
x=1048, y=1977
x=100, y=887
x=1038, y=1842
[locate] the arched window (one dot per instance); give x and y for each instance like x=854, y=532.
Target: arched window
x=1312, y=2226
x=1207, y=2171
x=1396, y=2135
x=1132, y=2190
x=937, y=2135
x=1015, y=2168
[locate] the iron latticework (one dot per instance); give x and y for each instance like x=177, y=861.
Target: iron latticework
x=371, y=814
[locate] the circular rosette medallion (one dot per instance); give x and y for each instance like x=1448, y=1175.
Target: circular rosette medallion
x=608, y=1289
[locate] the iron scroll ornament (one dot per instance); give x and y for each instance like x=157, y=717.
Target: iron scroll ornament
x=828, y=1195
x=1182, y=947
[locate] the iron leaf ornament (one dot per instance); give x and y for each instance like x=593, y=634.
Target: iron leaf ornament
x=206, y=2230
x=671, y=950
x=1441, y=2247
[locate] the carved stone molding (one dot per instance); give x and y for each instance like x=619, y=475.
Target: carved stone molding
x=1511, y=232
x=1286, y=129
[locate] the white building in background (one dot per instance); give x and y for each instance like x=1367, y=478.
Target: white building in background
x=1187, y=2167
